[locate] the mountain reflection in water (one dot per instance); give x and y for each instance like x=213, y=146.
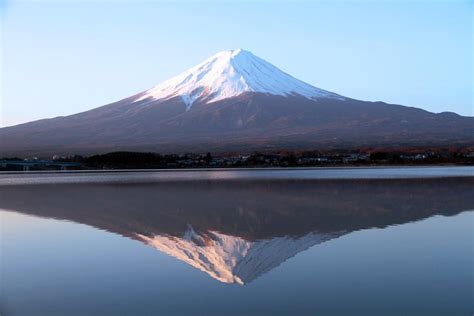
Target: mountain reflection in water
x=237, y=230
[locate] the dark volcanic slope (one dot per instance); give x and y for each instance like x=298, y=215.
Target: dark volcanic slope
x=251, y=121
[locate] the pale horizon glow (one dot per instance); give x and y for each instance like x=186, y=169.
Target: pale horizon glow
x=61, y=58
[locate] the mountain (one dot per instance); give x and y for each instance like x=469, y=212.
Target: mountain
x=236, y=101
x=252, y=227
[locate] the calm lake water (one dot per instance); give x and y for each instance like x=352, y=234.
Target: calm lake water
x=368, y=241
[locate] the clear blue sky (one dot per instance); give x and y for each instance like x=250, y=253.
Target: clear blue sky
x=64, y=57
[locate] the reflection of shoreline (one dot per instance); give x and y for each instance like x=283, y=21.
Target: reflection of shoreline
x=238, y=230
x=469, y=169
x=234, y=174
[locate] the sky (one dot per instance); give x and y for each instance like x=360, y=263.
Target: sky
x=63, y=57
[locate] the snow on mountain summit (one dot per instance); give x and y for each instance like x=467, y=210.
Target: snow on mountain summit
x=229, y=74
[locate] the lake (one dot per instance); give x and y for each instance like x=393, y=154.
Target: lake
x=329, y=241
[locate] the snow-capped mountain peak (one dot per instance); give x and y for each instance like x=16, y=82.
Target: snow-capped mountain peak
x=229, y=74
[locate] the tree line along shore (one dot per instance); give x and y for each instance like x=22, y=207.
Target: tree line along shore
x=150, y=160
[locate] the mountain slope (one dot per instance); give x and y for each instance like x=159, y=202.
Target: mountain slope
x=236, y=101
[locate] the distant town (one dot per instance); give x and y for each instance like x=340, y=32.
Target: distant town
x=139, y=160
